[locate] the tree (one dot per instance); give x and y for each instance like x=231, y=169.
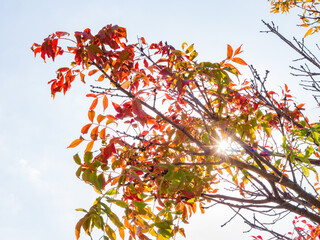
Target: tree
x=172, y=135
x=310, y=15
x=311, y=18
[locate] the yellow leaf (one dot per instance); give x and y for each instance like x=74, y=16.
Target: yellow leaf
x=308, y=32
x=75, y=143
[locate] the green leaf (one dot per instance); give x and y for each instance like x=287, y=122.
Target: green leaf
x=78, y=172
x=140, y=205
x=88, y=157
x=112, y=192
x=205, y=138
x=77, y=159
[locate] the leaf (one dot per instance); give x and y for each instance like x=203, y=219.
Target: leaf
x=89, y=146
x=239, y=61
x=101, y=78
x=86, y=128
x=94, y=133
x=110, y=232
x=77, y=159
x=139, y=205
x=238, y=50
x=94, y=104
x=143, y=40
x=75, y=143
x=102, y=134
x=189, y=49
x=100, y=118
x=82, y=77
x=105, y=102
x=92, y=72
x=126, y=84
x=305, y=170
x=78, y=227
x=184, y=45
x=229, y=51
x=91, y=115
x=309, y=32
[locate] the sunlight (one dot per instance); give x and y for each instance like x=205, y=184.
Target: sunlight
x=223, y=146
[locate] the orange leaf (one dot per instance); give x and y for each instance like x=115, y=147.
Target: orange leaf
x=101, y=78
x=89, y=146
x=229, y=51
x=100, y=118
x=238, y=50
x=75, y=143
x=94, y=104
x=91, y=114
x=111, y=118
x=121, y=233
x=92, y=72
x=94, y=133
x=126, y=84
x=82, y=77
x=239, y=61
x=85, y=128
x=105, y=102
x=102, y=134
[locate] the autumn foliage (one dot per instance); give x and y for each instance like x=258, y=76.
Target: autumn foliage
x=154, y=132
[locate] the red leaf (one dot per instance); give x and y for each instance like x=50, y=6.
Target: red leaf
x=137, y=108
x=143, y=40
x=286, y=87
x=117, y=107
x=64, y=69
x=145, y=63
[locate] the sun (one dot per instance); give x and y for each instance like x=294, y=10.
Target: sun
x=223, y=146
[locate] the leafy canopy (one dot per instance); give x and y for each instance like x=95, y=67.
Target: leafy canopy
x=154, y=132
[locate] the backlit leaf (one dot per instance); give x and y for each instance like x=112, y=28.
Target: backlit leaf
x=105, y=102
x=86, y=128
x=92, y=72
x=229, y=51
x=239, y=61
x=308, y=32
x=89, y=146
x=75, y=143
x=91, y=115
x=94, y=104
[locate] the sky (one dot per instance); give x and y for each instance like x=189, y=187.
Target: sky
x=39, y=189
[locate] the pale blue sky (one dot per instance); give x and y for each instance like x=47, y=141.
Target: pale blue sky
x=39, y=190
